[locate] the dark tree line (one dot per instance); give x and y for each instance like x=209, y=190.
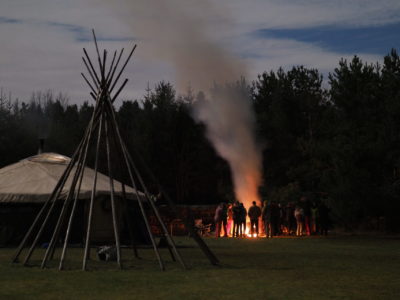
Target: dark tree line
x=338, y=141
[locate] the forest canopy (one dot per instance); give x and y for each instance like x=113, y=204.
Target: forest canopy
x=336, y=140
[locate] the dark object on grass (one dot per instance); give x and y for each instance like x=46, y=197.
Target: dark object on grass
x=107, y=253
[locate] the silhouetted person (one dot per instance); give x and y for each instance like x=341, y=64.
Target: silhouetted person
x=314, y=218
x=254, y=213
x=299, y=215
x=230, y=219
x=236, y=212
x=266, y=216
x=220, y=219
x=243, y=215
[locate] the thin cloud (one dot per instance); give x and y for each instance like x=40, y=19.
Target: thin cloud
x=83, y=34
x=288, y=14
x=5, y=20
x=43, y=39
x=376, y=40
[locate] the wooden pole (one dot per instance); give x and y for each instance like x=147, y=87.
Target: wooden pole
x=112, y=73
x=98, y=56
x=124, y=199
x=91, y=65
x=104, y=66
x=119, y=90
x=113, y=208
x=93, y=194
x=138, y=197
x=88, y=83
x=71, y=217
x=122, y=69
x=188, y=220
x=90, y=73
x=111, y=66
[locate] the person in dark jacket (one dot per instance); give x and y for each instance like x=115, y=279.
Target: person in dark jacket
x=220, y=219
x=243, y=215
x=230, y=219
x=266, y=216
x=236, y=212
x=254, y=213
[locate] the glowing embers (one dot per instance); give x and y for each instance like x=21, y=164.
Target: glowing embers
x=248, y=232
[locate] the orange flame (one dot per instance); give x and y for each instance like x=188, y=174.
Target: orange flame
x=246, y=189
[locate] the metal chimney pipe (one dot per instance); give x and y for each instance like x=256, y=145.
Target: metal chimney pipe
x=41, y=146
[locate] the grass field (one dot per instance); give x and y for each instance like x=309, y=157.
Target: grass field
x=338, y=267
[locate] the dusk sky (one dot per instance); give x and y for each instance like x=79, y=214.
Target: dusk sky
x=42, y=40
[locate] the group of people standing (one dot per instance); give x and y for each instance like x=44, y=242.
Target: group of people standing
x=232, y=219
x=301, y=218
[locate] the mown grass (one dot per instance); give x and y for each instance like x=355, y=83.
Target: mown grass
x=282, y=268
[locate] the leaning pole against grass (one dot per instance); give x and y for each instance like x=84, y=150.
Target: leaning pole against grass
x=102, y=137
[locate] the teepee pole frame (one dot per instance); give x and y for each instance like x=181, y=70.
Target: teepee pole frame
x=104, y=135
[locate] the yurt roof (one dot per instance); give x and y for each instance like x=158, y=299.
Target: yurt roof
x=32, y=180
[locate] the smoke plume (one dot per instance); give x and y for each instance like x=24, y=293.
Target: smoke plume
x=182, y=32
x=230, y=127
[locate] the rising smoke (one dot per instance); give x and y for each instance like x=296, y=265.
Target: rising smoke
x=181, y=33
x=230, y=127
